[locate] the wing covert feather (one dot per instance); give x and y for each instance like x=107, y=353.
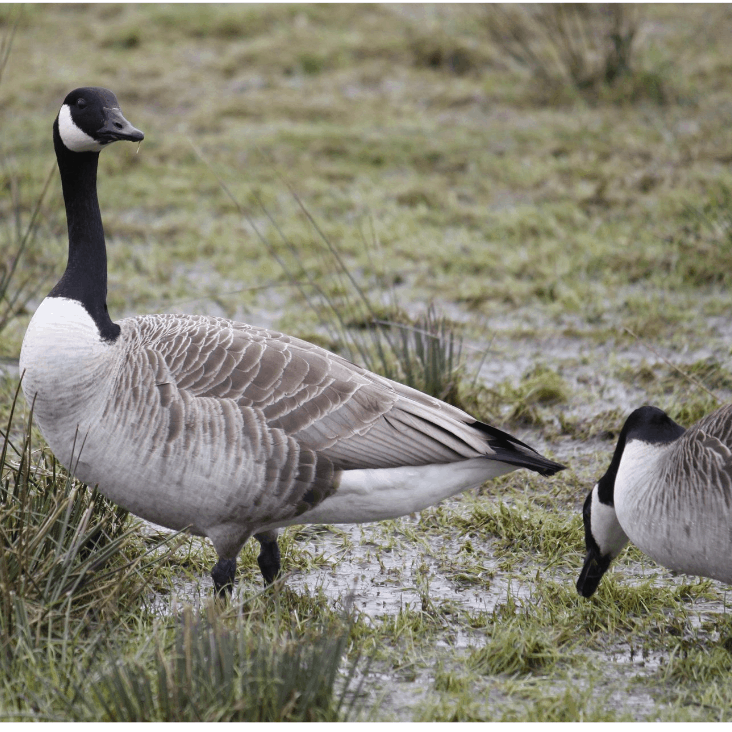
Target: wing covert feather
x=704, y=450
x=350, y=416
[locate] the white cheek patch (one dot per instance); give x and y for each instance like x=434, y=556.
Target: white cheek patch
x=606, y=529
x=74, y=138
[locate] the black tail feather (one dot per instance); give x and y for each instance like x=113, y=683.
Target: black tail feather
x=508, y=449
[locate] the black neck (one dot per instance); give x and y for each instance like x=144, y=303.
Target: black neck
x=85, y=278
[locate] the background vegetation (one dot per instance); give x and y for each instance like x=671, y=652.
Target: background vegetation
x=526, y=210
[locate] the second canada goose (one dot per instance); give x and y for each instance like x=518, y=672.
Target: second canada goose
x=220, y=427
x=669, y=491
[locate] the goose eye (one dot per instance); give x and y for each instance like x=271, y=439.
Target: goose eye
x=81, y=103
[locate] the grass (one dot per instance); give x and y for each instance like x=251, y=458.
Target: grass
x=516, y=650
x=80, y=640
x=206, y=669
x=389, y=180
x=586, y=47
x=23, y=222
x=63, y=545
x=425, y=353
x=540, y=388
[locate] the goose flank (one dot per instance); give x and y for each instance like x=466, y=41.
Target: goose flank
x=218, y=427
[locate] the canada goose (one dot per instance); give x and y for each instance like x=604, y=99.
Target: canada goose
x=669, y=491
x=220, y=427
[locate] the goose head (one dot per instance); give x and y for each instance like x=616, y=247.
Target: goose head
x=90, y=119
x=604, y=536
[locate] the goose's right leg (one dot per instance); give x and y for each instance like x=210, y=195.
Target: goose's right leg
x=228, y=539
x=269, y=556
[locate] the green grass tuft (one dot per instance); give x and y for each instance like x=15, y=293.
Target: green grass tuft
x=516, y=650
x=210, y=668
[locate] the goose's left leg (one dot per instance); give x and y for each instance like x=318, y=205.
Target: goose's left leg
x=269, y=556
x=223, y=576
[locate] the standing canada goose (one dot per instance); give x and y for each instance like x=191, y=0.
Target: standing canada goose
x=669, y=491
x=223, y=428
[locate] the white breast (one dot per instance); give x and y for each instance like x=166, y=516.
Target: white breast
x=66, y=369
x=681, y=526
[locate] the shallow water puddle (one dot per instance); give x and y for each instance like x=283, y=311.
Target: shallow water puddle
x=359, y=566
x=382, y=581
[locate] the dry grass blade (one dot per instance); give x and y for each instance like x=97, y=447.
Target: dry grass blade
x=426, y=356
x=429, y=354
x=584, y=45
x=15, y=295
x=686, y=376
x=6, y=43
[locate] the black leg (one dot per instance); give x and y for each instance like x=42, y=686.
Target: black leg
x=269, y=556
x=223, y=576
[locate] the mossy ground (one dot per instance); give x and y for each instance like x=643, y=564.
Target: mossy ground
x=581, y=246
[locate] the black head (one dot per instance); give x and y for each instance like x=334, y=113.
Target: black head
x=90, y=119
x=651, y=425
x=647, y=424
